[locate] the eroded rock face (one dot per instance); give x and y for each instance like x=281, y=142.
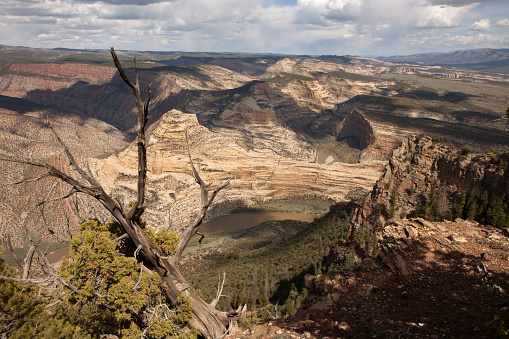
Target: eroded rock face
x=421, y=170
x=260, y=171
x=357, y=127
x=27, y=137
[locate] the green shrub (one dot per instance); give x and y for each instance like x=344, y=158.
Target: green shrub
x=466, y=150
x=501, y=324
x=437, y=139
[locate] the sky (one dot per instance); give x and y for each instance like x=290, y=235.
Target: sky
x=309, y=27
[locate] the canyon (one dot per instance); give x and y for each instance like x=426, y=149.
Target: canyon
x=262, y=120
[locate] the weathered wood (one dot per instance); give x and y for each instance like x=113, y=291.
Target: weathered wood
x=209, y=321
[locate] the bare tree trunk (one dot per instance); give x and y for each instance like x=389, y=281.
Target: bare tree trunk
x=209, y=321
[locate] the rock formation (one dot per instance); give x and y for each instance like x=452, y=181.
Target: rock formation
x=261, y=171
x=356, y=127
x=276, y=112
x=422, y=166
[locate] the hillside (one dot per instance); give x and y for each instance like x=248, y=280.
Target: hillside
x=428, y=284
x=487, y=60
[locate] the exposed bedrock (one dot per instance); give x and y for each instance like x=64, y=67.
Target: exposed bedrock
x=259, y=172
x=355, y=127
x=427, y=173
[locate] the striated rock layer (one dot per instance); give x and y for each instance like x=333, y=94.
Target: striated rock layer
x=260, y=171
x=27, y=137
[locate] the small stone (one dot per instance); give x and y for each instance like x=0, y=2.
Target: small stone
x=279, y=332
x=343, y=326
x=343, y=308
x=457, y=238
x=307, y=334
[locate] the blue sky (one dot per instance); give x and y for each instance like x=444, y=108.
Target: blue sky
x=355, y=27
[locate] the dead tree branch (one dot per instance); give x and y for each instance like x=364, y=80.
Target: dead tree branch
x=208, y=194
x=219, y=290
x=209, y=321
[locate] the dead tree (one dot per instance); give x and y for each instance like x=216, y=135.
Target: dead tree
x=208, y=320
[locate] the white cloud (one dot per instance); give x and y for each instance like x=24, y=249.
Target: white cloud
x=481, y=25
x=442, y=16
x=124, y=2
x=301, y=27
x=503, y=23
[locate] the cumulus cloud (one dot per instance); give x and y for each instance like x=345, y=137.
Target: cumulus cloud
x=281, y=26
x=442, y=16
x=124, y=2
x=481, y=25
x=503, y=23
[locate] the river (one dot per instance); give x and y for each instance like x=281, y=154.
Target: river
x=226, y=223
x=325, y=155
x=242, y=220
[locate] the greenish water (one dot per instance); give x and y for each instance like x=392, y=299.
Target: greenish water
x=224, y=224
x=242, y=220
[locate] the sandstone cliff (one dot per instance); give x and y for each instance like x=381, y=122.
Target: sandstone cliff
x=260, y=172
x=421, y=167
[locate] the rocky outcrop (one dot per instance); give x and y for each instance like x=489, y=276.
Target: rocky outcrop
x=259, y=171
x=425, y=177
x=356, y=127
x=431, y=279
x=421, y=166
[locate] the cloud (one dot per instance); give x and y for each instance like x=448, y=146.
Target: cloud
x=459, y=3
x=281, y=26
x=124, y=2
x=481, y=25
x=442, y=16
x=503, y=23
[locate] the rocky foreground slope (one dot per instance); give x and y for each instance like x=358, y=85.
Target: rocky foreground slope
x=430, y=280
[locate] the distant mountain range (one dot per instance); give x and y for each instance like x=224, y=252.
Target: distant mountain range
x=488, y=60
x=485, y=60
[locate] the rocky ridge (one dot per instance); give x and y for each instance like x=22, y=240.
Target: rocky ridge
x=422, y=166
